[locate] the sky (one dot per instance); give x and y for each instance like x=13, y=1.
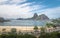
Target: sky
x=26, y=8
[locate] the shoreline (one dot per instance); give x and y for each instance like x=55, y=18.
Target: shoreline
x=19, y=28
x=25, y=29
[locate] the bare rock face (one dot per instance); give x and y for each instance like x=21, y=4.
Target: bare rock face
x=40, y=17
x=43, y=17
x=35, y=16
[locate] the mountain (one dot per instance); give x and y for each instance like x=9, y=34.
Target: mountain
x=42, y=17
x=36, y=17
x=3, y=20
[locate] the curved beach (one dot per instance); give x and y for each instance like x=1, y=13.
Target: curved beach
x=19, y=28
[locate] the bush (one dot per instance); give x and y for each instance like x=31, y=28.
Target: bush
x=17, y=36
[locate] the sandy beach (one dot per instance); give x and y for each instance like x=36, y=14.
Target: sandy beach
x=18, y=28
x=24, y=28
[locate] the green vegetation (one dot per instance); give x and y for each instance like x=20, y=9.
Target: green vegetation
x=17, y=36
x=42, y=34
x=49, y=25
x=35, y=28
x=3, y=20
x=43, y=29
x=50, y=35
x=13, y=31
x=56, y=20
x=55, y=23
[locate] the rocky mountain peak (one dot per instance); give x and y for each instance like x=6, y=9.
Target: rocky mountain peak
x=35, y=16
x=43, y=17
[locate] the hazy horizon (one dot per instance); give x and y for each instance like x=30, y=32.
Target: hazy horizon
x=26, y=8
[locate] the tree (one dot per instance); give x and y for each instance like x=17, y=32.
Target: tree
x=4, y=31
x=49, y=25
x=35, y=28
x=13, y=31
x=56, y=20
x=49, y=35
x=43, y=29
x=42, y=32
x=36, y=31
x=28, y=36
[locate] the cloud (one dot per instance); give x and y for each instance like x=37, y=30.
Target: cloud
x=20, y=11
x=51, y=12
x=2, y=2
x=17, y=11
x=11, y=9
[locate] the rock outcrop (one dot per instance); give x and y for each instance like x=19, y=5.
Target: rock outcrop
x=42, y=17
x=36, y=17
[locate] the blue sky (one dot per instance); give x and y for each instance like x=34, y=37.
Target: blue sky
x=26, y=8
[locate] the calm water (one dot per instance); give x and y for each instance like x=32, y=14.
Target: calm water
x=23, y=23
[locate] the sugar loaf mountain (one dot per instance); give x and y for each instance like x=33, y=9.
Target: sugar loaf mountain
x=36, y=17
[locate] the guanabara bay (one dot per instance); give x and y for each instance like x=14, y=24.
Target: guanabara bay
x=29, y=18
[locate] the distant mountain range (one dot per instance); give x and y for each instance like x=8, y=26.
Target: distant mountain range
x=3, y=20
x=36, y=17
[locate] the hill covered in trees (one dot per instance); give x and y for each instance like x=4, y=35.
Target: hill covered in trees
x=3, y=20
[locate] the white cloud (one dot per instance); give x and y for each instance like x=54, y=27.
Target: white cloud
x=11, y=1
x=51, y=12
x=2, y=0
x=13, y=11
x=24, y=10
x=17, y=1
